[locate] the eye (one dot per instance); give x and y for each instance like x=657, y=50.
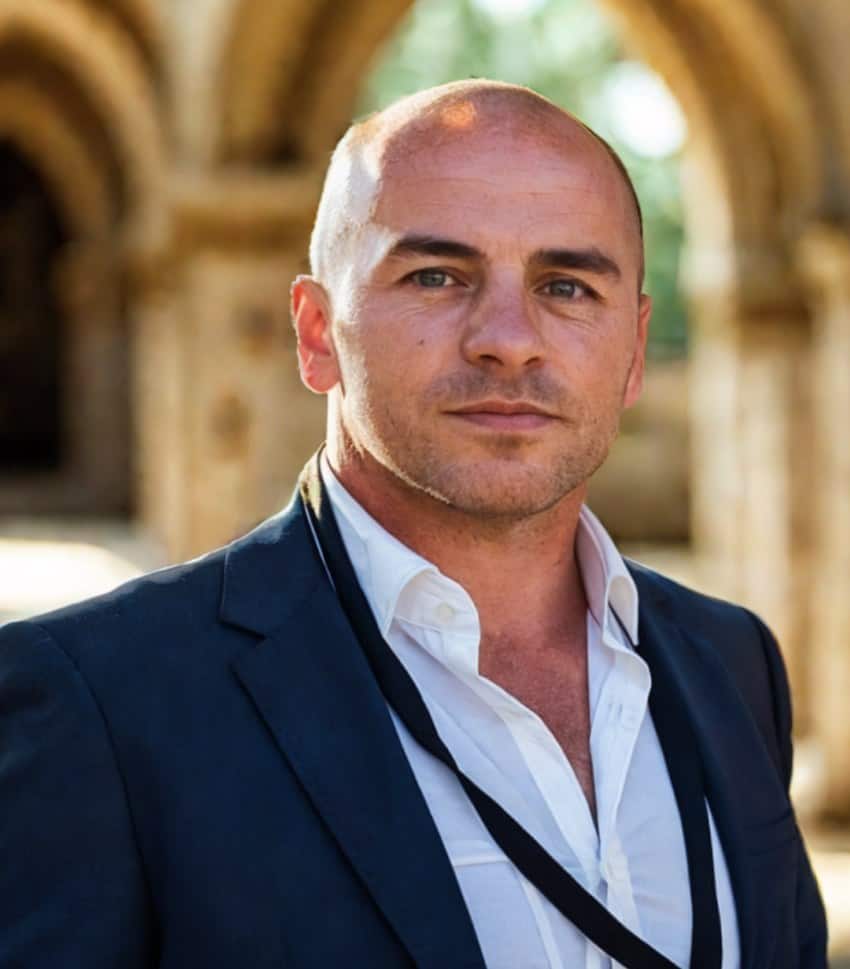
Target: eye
x=567, y=289
x=432, y=278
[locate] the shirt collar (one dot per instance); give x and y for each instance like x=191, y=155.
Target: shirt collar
x=385, y=567
x=607, y=581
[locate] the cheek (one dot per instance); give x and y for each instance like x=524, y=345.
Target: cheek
x=393, y=339
x=595, y=352
x=376, y=370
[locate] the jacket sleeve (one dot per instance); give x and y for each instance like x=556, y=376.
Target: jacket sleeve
x=811, y=918
x=72, y=889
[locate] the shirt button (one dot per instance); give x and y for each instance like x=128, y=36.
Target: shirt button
x=613, y=869
x=445, y=612
x=629, y=718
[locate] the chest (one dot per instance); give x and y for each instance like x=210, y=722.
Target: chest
x=552, y=683
x=510, y=759
x=485, y=720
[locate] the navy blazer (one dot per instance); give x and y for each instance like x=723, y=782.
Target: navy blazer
x=197, y=771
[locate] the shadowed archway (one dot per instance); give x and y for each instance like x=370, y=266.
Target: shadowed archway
x=32, y=236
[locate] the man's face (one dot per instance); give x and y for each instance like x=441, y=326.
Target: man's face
x=488, y=346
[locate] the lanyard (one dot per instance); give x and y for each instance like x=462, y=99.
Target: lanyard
x=574, y=902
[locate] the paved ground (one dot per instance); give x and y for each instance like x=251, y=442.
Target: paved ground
x=46, y=563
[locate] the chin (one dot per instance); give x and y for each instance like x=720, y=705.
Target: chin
x=501, y=489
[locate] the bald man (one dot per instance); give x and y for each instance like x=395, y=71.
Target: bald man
x=427, y=715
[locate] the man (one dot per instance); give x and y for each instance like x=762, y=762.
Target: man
x=427, y=715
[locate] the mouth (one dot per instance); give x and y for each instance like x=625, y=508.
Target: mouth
x=504, y=415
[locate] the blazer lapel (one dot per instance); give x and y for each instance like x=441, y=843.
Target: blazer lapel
x=728, y=742
x=312, y=686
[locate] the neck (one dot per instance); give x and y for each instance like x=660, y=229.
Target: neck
x=522, y=574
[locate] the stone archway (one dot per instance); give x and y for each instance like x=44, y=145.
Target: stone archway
x=79, y=110
x=31, y=352
x=87, y=51
x=306, y=64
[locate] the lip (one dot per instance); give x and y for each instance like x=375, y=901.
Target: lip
x=504, y=415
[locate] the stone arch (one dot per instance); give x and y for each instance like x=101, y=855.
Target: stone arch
x=80, y=187
x=102, y=70
x=79, y=101
x=143, y=22
x=732, y=66
x=306, y=60
x=714, y=56
x=757, y=146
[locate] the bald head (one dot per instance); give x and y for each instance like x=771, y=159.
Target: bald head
x=340, y=248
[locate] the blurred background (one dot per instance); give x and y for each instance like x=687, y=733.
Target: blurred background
x=160, y=162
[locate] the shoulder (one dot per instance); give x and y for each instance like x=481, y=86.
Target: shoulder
x=740, y=640
x=738, y=635
x=686, y=605
x=168, y=600
x=174, y=610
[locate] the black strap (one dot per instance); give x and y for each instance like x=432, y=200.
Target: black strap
x=575, y=903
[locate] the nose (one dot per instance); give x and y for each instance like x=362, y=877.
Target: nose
x=501, y=333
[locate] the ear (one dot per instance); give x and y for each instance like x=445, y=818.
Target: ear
x=634, y=384
x=311, y=316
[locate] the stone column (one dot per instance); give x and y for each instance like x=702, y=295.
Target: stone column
x=714, y=377
x=826, y=260
x=251, y=424
x=774, y=516
x=246, y=424
x=750, y=467
x=159, y=391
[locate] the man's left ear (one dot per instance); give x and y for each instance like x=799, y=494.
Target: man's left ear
x=634, y=384
x=311, y=316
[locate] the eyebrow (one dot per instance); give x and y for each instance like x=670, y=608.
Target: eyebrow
x=427, y=245
x=591, y=260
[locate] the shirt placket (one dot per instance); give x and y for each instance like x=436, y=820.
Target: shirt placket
x=454, y=639
x=619, y=715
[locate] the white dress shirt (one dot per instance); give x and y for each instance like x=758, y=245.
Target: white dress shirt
x=635, y=861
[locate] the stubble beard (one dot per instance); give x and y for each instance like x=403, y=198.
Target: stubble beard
x=503, y=487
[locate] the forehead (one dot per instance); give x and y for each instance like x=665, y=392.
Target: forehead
x=505, y=186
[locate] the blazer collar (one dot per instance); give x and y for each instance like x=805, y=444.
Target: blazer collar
x=269, y=572
x=311, y=684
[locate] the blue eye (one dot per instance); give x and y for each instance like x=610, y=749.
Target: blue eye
x=566, y=288
x=431, y=278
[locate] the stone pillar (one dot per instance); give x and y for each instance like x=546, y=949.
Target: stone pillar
x=714, y=377
x=159, y=391
x=774, y=518
x=826, y=259
x=225, y=422
x=250, y=423
x=750, y=477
